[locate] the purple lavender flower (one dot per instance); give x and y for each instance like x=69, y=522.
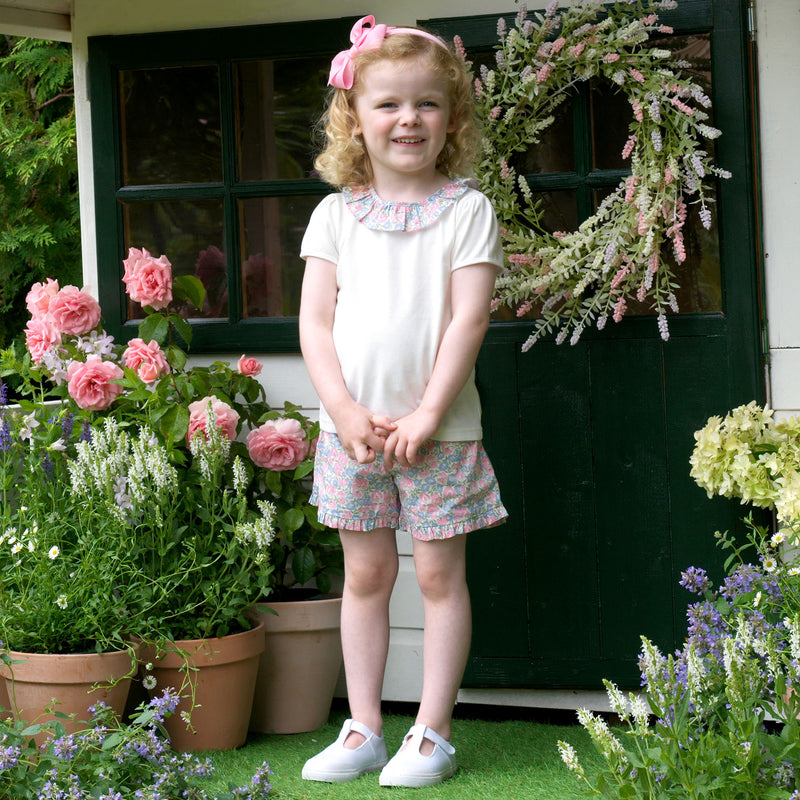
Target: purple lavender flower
x=695, y=579
x=86, y=431
x=3, y=394
x=5, y=436
x=66, y=425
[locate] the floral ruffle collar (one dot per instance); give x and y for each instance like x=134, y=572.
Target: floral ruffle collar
x=384, y=215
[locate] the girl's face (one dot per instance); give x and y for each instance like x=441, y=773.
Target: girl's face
x=403, y=114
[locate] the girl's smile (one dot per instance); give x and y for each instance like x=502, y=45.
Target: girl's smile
x=403, y=113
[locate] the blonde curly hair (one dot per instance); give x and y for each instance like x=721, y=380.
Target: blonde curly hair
x=344, y=160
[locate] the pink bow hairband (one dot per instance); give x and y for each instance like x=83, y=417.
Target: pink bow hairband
x=366, y=35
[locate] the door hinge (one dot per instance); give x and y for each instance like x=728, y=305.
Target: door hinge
x=751, y=19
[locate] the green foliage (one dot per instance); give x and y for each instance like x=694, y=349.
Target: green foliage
x=110, y=760
x=39, y=216
x=305, y=551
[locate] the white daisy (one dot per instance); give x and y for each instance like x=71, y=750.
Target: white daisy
x=53, y=553
x=61, y=601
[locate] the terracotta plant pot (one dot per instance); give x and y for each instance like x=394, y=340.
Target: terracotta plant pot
x=299, y=666
x=73, y=681
x=221, y=675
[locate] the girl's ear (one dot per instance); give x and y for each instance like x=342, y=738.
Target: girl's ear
x=451, y=124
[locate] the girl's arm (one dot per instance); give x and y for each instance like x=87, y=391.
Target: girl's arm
x=355, y=425
x=471, y=290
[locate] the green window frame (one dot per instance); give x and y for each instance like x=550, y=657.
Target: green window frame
x=109, y=59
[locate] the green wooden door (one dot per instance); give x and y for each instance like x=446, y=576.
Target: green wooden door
x=592, y=442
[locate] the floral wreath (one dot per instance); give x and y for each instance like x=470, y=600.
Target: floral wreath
x=588, y=276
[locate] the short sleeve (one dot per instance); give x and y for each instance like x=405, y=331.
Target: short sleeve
x=319, y=240
x=477, y=239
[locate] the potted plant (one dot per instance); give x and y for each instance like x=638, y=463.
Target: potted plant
x=195, y=556
x=65, y=608
x=302, y=657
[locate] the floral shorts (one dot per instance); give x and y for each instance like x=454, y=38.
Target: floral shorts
x=453, y=490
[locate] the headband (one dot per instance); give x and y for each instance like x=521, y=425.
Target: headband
x=366, y=35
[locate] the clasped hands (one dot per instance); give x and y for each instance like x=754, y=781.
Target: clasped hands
x=364, y=435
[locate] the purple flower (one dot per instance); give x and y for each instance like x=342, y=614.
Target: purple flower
x=5, y=436
x=695, y=579
x=65, y=748
x=86, y=431
x=3, y=394
x=66, y=425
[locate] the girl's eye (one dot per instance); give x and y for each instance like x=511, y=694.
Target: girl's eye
x=429, y=104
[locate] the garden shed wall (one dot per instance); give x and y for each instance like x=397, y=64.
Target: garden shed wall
x=776, y=26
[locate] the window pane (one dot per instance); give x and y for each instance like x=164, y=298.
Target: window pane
x=560, y=210
x=279, y=103
x=611, y=114
x=555, y=151
x=170, y=125
x=272, y=270
x=191, y=234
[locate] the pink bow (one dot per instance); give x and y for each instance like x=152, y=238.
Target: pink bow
x=365, y=35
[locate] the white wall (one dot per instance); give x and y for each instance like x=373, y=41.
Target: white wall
x=778, y=32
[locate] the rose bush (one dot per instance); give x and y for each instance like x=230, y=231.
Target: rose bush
x=259, y=465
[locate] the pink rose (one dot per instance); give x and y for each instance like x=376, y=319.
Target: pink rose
x=89, y=383
x=148, y=280
x=39, y=297
x=227, y=418
x=279, y=444
x=148, y=360
x=74, y=311
x=40, y=336
x=249, y=366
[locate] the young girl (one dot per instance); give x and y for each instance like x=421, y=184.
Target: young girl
x=400, y=270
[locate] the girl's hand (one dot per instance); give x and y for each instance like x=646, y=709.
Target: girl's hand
x=362, y=435
x=411, y=432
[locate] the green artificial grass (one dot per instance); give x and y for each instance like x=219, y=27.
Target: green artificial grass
x=501, y=758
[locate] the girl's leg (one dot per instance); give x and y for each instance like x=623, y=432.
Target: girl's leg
x=441, y=573
x=370, y=569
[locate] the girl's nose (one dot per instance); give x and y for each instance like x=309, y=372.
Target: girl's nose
x=410, y=115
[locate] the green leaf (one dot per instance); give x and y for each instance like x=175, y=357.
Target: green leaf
x=304, y=469
x=273, y=481
x=182, y=327
x=155, y=327
x=190, y=288
x=293, y=519
x=174, y=424
x=176, y=358
x=303, y=565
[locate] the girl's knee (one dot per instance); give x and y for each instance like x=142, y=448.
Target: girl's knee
x=441, y=581
x=371, y=578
